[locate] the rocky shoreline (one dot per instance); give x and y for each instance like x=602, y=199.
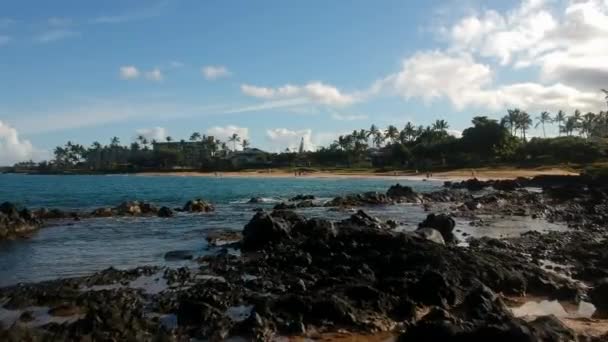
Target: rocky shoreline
x=288, y=275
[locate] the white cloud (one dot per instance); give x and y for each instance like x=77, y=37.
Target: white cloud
x=13, y=149
x=569, y=44
x=56, y=35
x=214, y=72
x=316, y=92
x=4, y=39
x=155, y=133
x=289, y=103
x=129, y=72
x=465, y=83
x=137, y=14
x=282, y=138
x=154, y=75
x=454, y=133
x=223, y=133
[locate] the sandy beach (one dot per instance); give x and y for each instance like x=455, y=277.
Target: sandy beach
x=454, y=175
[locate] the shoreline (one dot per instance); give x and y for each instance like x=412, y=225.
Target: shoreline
x=454, y=175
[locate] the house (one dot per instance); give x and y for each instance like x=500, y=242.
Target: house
x=249, y=157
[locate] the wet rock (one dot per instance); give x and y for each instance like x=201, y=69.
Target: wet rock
x=442, y=223
x=368, y=198
x=16, y=223
x=52, y=214
x=64, y=310
x=403, y=193
x=284, y=206
x=102, y=212
x=179, y=255
x=599, y=298
x=222, y=237
x=129, y=208
x=362, y=220
x=264, y=229
x=256, y=200
x=197, y=206
x=165, y=212
x=431, y=235
x=318, y=228
x=300, y=197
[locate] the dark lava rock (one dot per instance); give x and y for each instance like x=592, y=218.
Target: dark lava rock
x=285, y=206
x=599, y=298
x=197, y=206
x=442, y=223
x=165, y=212
x=264, y=229
x=403, y=193
x=17, y=222
x=179, y=255
x=368, y=198
x=102, y=212
x=301, y=198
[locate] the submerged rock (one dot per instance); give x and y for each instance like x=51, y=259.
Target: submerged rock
x=165, y=212
x=197, y=206
x=179, y=255
x=17, y=222
x=403, y=193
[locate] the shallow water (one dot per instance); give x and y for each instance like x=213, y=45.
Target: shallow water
x=78, y=248
x=70, y=248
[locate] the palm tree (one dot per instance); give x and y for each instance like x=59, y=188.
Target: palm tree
x=440, y=125
x=543, y=118
x=114, y=142
x=169, y=139
x=569, y=126
x=234, y=139
x=372, y=131
x=410, y=131
x=378, y=138
x=391, y=133
x=560, y=118
x=588, y=124
x=195, y=136
x=524, y=122
x=245, y=144
x=578, y=118
x=510, y=121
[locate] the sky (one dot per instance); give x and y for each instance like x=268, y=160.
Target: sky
x=276, y=72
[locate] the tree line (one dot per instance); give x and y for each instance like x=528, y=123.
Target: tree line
x=581, y=138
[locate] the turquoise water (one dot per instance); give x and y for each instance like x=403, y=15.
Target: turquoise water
x=78, y=248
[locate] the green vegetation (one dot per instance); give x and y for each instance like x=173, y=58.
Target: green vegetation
x=583, y=139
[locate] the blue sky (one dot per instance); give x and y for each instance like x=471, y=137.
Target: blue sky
x=277, y=71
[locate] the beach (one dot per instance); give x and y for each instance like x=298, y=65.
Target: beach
x=454, y=175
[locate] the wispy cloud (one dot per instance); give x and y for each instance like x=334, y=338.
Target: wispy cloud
x=154, y=75
x=267, y=105
x=56, y=35
x=347, y=117
x=214, y=72
x=133, y=15
x=128, y=72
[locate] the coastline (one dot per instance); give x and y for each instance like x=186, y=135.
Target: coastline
x=454, y=175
